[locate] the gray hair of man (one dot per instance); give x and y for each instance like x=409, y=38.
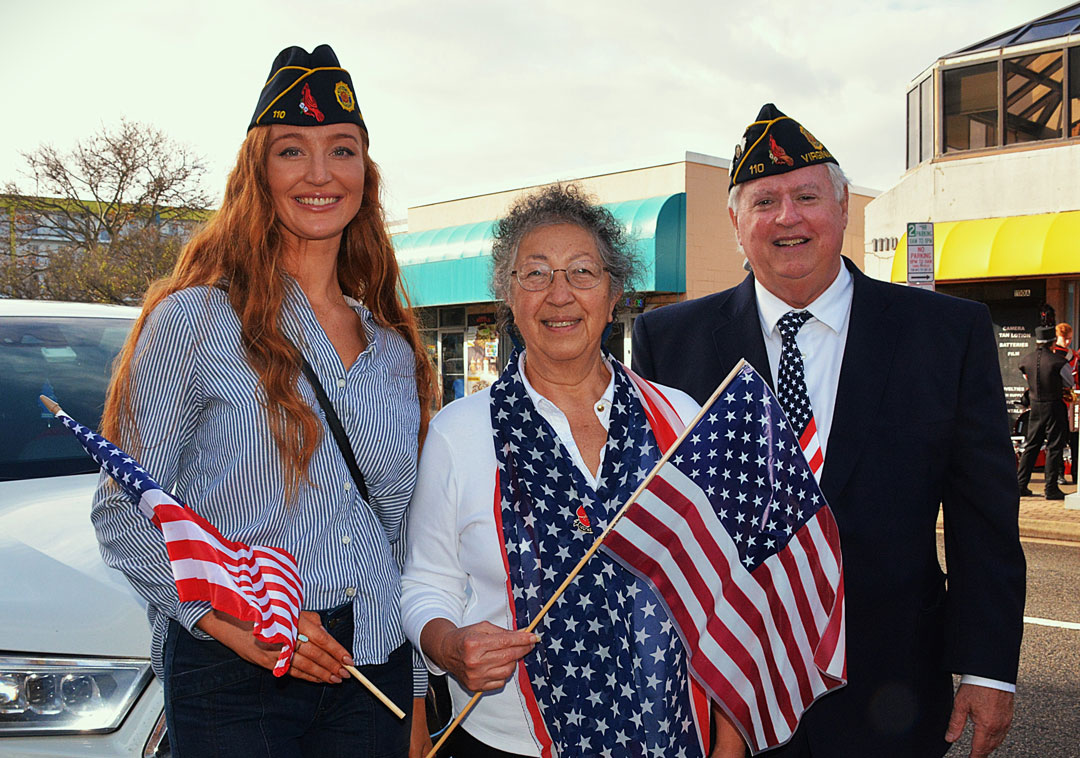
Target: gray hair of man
x=560, y=204
x=837, y=178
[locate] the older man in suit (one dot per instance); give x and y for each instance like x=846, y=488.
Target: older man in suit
x=898, y=397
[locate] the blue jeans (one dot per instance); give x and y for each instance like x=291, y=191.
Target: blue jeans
x=217, y=704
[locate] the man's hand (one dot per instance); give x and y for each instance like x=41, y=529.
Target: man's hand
x=991, y=712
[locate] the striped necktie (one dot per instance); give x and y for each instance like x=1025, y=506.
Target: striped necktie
x=791, y=385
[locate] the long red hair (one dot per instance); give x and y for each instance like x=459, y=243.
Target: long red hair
x=241, y=246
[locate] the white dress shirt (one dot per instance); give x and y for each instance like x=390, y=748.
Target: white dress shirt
x=454, y=566
x=821, y=342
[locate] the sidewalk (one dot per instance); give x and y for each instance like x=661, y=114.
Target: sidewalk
x=1046, y=519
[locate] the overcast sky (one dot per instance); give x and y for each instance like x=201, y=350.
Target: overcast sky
x=463, y=98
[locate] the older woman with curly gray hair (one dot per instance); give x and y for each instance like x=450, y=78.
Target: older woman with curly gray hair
x=515, y=484
x=560, y=205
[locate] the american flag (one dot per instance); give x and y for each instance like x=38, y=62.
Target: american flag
x=253, y=583
x=735, y=536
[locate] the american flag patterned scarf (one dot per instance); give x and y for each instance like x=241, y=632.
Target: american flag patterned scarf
x=609, y=676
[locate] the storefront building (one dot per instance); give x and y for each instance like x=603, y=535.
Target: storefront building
x=677, y=213
x=993, y=160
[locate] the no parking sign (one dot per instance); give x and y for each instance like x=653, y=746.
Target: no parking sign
x=920, y=255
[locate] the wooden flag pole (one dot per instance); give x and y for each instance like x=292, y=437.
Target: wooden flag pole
x=376, y=691
x=596, y=545
x=55, y=409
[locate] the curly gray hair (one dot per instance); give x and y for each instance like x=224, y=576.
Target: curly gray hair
x=560, y=204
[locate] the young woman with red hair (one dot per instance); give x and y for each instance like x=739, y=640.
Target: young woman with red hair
x=209, y=392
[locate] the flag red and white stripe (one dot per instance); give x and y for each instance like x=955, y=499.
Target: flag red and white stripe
x=663, y=419
x=253, y=583
x=811, y=447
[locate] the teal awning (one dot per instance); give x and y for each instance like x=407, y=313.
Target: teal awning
x=453, y=264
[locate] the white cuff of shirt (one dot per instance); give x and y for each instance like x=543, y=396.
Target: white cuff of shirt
x=432, y=667
x=993, y=684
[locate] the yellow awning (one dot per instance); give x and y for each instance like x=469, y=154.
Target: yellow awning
x=1045, y=244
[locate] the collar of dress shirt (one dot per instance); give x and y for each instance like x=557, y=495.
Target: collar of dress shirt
x=830, y=308
x=296, y=301
x=545, y=406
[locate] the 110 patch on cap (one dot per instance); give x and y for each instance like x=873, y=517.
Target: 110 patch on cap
x=307, y=89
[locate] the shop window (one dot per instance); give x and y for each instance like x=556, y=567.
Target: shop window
x=451, y=317
x=430, y=340
x=453, y=365
x=926, y=118
x=1033, y=97
x=482, y=353
x=616, y=344
x=920, y=123
x=427, y=318
x=1074, y=91
x=970, y=107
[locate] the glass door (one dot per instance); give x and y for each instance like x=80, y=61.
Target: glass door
x=453, y=364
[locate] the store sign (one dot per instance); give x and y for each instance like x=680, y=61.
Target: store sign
x=920, y=255
x=1015, y=326
x=481, y=319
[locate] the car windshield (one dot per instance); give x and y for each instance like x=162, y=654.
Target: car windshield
x=67, y=359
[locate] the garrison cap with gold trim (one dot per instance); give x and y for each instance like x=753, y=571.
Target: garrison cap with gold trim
x=775, y=144
x=307, y=89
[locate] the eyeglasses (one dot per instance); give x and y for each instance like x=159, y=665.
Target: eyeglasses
x=539, y=276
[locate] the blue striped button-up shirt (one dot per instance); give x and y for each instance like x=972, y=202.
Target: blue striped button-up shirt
x=205, y=436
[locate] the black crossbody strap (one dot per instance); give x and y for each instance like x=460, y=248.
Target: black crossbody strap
x=336, y=428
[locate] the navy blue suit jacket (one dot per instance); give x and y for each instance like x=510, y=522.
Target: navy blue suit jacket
x=920, y=420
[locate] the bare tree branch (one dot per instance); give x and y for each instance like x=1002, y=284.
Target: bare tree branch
x=99, y=209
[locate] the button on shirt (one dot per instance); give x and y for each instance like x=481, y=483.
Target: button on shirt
x=205, y=436
x=821, y=342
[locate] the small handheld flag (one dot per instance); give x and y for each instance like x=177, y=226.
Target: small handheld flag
x=253, y=583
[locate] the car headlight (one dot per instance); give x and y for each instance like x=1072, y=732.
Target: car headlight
x=67, y=695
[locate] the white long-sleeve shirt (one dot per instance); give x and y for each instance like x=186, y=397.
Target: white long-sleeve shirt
x=454, y=565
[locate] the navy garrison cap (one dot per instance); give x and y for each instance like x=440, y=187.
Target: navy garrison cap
x=775, y=144
x=307, y=89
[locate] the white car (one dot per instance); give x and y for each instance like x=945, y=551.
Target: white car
x=75, y=676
